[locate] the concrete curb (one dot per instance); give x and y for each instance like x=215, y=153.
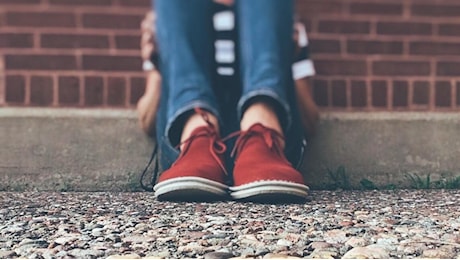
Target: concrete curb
x=104, y=150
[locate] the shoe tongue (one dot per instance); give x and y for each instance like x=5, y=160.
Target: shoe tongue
x=258, y=127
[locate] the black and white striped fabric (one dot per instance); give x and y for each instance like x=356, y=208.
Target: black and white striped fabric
x=226, y=52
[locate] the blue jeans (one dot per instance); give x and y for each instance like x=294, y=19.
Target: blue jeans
x=185, y=38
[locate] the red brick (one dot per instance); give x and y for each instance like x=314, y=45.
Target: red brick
x=112, y=63
x=421, y=92
x=116, y=91
x=112, y=21
x=339, y=93
x=448, y=68
x=69, y=90
x=324, y=46
x=16, y=40
x=449, y=29
x=443, y=94
x=344, y=27
x=358, y=93
x=94, y=91
x=82, y=2
x=376, y=8
x=320, y=92
x=40, y=62
x=127, y=42
x=41, y=19
x=379, y=93
x=401, y=68
x=41, y=90
x=316, y=7
x=137, y=89
x=20, y=2
x=341, y=67
x=404, y=28
x=15, y=89
x=142, y=3
x=434, y=48
x=438, y=10
x=400, y=93
x=374, y=47
x=74, y=41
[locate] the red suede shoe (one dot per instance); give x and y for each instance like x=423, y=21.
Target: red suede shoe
x=262, y=173
x=199, y=172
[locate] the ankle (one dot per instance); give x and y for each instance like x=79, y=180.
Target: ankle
x=198, y=120
x=263, y=113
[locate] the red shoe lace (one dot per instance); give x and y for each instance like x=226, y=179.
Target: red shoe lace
x=216, y=147
x=272, y=138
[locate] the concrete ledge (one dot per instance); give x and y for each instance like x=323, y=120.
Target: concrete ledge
x=71, y=149
x=384, y=148
x=104, y=150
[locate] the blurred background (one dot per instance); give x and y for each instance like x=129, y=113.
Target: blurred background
x=369, y=55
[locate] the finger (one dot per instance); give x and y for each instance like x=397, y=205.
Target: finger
x=146, y=38
x=146, y=52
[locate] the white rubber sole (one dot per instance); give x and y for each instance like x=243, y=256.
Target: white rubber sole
x=270, y=191
x=190, y=189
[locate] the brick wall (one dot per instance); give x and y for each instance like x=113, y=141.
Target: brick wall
x=370, y=55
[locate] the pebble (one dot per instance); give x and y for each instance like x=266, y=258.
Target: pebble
x=127, y=256
x=284, y=242
x=356, y=242
x=7, y=254
x=218, y=255
x=327, y=253
x=278, y=256
x=319, y=245
x=337, y=224
x=443, y=252
x=65, y=240
x=368, y=252
x=335, y=236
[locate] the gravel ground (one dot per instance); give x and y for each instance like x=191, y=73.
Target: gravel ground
x=341, y=224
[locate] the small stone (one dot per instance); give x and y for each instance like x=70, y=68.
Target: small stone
x=443, y=252
x=127, y=256
x=113, y=238
x=164, y=254
x=248, y=252
x=368, y=252
x=191, y=247
x=36, y=243
x=356, y=242
x=7, y=254
x=389, y=243
x=284, y=242
x=319, y=245
x=335, y=236
x=138, y=239
x=218, y=255
x=85, y=253
x=278, y=256
x=262, y=251
x=97, y=232
x=65, y=240
x=328, y=253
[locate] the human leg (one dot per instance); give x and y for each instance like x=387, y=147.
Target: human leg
x=185, y=43
x=261, y=168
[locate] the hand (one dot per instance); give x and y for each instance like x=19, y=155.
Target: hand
x=148, y=45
